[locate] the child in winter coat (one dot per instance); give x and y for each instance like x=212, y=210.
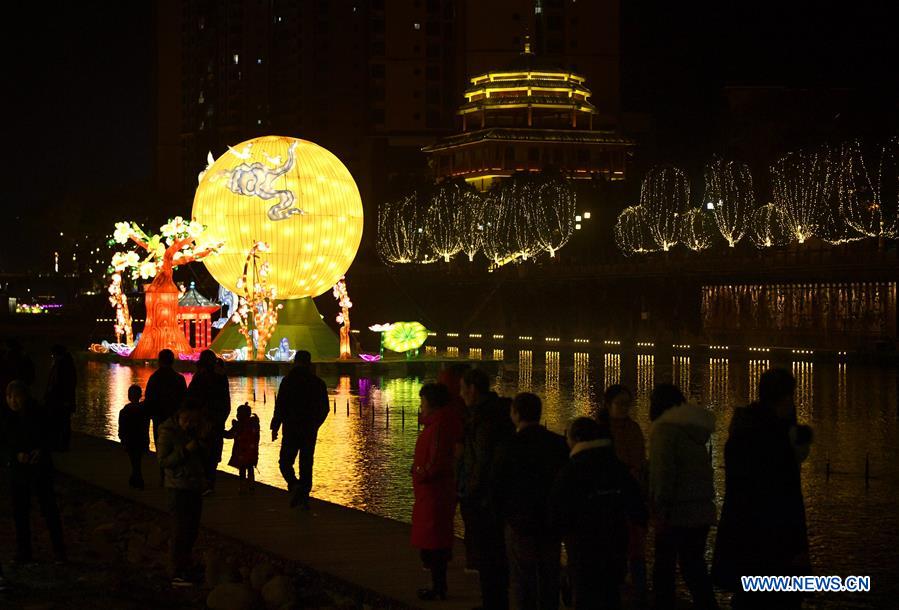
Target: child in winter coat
x=245, y=452
x=134, y=433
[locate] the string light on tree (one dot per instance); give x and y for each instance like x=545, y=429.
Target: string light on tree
x=119, y=301
x=665, y=195
x=697, y=229
x=443, y=222
x=729, y=196
x=868, y=188
x=769, y=226
x=471, y=225
x=631, y=231
x=553, y=212
x=802, y=186
x=401, y=232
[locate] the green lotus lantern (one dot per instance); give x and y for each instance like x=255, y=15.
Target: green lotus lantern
x=402, y=337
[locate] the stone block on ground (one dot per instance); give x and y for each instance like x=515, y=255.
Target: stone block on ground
x=276, y=592
x=231, y=596
x=261, y=573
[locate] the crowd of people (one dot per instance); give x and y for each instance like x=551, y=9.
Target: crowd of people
x=547, y=518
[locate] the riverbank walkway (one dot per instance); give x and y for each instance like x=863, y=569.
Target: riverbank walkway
x=365, y=551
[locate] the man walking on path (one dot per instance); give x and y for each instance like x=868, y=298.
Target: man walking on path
x=301, y=408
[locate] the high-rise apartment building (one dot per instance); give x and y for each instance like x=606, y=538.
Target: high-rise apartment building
x=371, y=80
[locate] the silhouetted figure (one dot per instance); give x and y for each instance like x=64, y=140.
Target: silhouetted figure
x=523, y=475
x=134, y=433
x=434, y=484
x=245, y=450
x=60, y=397
x=630, y=448
x=165, y=393
x=763, y=529
x=17, y=364
x=487, y=426
x=592, y=500
x=181, y=450
x=682, y=495
x=301, y=408
x=210, y=389
x=28, y=444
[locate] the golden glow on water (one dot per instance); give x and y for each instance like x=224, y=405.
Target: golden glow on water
x=756, y=368
x=430, y=350
x=804, y=372
x=645, y=374
x=581, y=376
x=716, y=393
x=611, y=369
x=842, y=392
x=452, y=352
x=474, y=353
x=680, y=373
x=497, y=354
x=552, y=371
x=525, y=369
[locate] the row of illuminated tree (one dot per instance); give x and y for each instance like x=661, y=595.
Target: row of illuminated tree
x=524, y=216
x=835, y=194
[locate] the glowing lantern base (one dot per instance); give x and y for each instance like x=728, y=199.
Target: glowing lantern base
x=299, y=322
x=161, y=330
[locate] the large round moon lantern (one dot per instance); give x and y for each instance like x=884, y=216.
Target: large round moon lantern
x=298, y=198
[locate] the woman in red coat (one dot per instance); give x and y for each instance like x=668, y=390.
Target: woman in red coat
x=434, y=483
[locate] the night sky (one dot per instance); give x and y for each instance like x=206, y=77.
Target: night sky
x=80, y=79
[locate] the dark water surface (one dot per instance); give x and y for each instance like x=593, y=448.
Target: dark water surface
x=364, y=455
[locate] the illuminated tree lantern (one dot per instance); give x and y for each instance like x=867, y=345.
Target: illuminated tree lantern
x=343, y=318
x=632, y=232
x=177, y=244
x=299, y=199
x=665, y=195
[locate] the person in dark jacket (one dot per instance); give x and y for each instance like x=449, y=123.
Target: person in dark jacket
x=682, y=494
x=487, y=426
x=592, y=500
x=301, y=408
x=210, y=389
x=59, y=399
x=434, y=485
x=525, y=469
x=134, y=433
x=17, y=364
x=763, y=528
x=182, y=454
x=165, y=393
x=28, y=445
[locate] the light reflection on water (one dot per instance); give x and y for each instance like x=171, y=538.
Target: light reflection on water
x=365, y=447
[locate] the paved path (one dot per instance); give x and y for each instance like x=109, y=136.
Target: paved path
x=364, y=550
